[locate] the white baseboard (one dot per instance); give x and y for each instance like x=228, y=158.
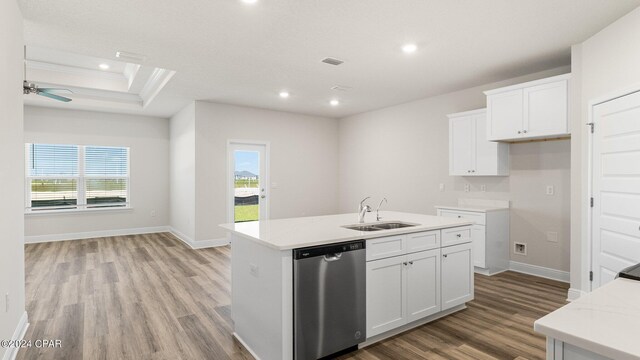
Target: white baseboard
x=11, y=352
x=540, y=271
x=574, y=294
x=200, y=244
x=245, y=346
x=93, y=234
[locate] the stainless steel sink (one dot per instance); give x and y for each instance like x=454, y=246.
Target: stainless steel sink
x=379, y=226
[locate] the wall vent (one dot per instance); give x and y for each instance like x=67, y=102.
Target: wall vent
x=332, y=61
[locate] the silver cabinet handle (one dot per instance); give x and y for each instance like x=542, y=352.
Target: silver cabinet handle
x=444, y=255
x=519, y=132
x=459, y=216
x=459, y=235
x=410, y=262
x=405, y=263
x=525, y=131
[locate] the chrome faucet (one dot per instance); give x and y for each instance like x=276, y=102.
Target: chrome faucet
x=378, y=218
x=363, y=210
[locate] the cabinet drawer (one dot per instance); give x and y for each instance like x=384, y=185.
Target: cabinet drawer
x=457, y=235
x=421, y=241
x=385, y=247
x=479, y=218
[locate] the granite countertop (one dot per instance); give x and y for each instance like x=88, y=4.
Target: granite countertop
x=286, y=234
x=604, y=321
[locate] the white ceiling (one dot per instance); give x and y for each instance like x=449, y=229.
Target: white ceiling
x=227, y=51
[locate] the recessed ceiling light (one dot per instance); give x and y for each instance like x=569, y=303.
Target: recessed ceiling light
x=249, y=1
x=284, y=94
x=334, y=102
x=104, y=66
x=409, y=48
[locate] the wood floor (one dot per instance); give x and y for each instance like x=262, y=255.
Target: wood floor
x=152, y=297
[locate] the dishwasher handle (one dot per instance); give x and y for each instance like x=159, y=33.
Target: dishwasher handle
x=332, y=257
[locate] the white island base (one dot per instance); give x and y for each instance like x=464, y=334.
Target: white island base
x=438, y=281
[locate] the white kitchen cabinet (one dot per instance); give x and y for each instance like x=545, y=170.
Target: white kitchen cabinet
x=470, y=153
x=386, y=295
x=404, y=281
x=489, y=235
x=532, y=110
x=423, y=284
x=457, y=275
x=402, y=289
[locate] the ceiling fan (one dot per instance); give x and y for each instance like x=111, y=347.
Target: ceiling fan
x=31, y=88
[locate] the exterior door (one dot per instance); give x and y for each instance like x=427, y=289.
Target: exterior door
x=248, y=182
x=615, y=187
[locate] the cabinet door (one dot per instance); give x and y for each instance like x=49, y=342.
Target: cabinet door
x=505, y=115
x=486, y=152
x=545, y=109
x=386, y=285
x=461, y=145
x=457, y=275
x=478, y=239
x=423, y=284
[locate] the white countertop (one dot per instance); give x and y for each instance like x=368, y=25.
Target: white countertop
x=474, y=208
x=286, y=234
x=604, y=321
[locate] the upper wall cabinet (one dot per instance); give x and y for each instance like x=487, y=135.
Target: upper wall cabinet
x=470, y=153
x=533, y=110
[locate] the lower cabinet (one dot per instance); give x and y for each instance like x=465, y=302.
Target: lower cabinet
x=457, y=275
x=402, y=289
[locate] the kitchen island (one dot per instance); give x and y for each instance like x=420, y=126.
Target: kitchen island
x=599, y=325
x=414, y=274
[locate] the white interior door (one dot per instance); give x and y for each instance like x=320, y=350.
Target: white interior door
x=616, y=187
x=248, y=181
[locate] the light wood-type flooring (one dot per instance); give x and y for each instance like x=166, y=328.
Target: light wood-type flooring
x=152, y=297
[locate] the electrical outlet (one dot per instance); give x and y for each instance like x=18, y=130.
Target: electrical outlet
x=520, y=248
x=550, y=190
x=483, y=187
x=467, y=187
x=153, y=213
x=441, y=187
x=274, y=185
x=6, y=302
x=552, y=236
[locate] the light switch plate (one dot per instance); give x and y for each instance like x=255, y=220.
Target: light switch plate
x=441, y=187
x=550, y=190
x=467, y=187
x=552, y=236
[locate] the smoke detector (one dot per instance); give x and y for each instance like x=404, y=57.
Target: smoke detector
x=332, y=61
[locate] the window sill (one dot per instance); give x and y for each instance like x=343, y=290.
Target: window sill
x=77, y=211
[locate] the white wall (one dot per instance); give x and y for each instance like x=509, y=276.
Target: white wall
x=304, y=156
x=11, y=144
x=148, y=139
x=401, y=153
x=183, y=173
x=609, y=62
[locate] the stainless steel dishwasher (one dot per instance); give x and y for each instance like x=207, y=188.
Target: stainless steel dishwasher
x=329, y=289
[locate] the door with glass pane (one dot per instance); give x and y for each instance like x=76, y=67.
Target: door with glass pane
x=248, y=182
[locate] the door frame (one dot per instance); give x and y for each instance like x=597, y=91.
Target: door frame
x=230, y=170
x=587, y=211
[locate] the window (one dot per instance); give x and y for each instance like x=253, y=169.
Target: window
x=76, y=177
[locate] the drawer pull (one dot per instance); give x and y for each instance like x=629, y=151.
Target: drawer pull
x=459, y=235
x=410, y=262
x=444, y=255
x=459, y=216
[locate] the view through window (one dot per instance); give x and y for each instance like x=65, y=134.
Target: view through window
x=76, y=177
x=247, y=184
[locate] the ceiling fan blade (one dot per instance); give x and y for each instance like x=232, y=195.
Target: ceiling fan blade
x=48, y=90
x=53, y=96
